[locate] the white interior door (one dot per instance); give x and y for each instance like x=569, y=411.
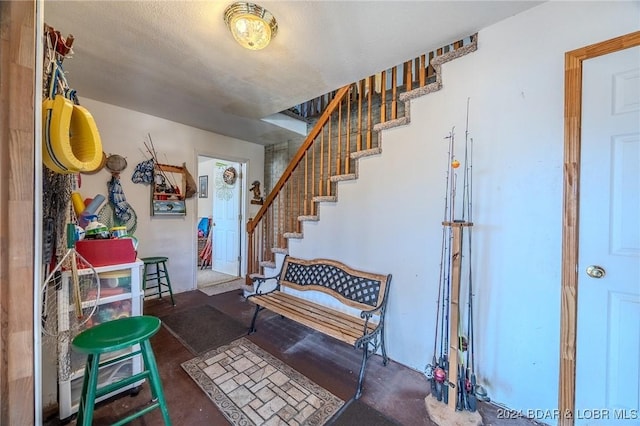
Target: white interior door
x=226, y=218
x=608, y=337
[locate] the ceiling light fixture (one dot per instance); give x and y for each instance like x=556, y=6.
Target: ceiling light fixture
x=251, y=25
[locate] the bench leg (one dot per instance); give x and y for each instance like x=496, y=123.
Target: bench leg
x=365, y=357
x=252, y=329
x=385, y=358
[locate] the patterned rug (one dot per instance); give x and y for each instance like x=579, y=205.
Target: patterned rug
x=251, y=387
x=223, y=287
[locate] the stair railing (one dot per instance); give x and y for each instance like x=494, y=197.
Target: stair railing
x=342, y=133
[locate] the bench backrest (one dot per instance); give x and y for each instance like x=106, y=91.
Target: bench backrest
x=358, y=289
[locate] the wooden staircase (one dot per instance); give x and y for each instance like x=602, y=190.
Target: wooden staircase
x=347, y=129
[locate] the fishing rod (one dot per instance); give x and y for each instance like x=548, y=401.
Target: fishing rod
x=155, y=157
x=436, y=372
x=152, y=151
x=449, y=214
x=469, y=375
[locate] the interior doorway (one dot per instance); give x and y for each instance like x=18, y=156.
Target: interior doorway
x=579, y=271
x=219, y=223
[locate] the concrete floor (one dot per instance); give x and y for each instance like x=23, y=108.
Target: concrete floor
x=395, y=391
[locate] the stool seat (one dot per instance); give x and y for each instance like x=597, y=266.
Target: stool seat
x=154, y=259
x=114, y=335
x=156, y=277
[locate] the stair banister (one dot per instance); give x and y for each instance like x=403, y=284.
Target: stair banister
x=253, y=223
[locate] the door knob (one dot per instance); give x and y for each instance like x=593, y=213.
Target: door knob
x=595, y=271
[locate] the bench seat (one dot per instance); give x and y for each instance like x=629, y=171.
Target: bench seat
x=337, y=324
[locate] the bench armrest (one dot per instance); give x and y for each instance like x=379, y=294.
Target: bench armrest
x=261, y=280
x=366, y=316
x=378, y=310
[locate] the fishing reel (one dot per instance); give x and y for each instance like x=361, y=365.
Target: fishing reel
x=439, y=375
x=481, y=393
x=435, y=373
x=428, y=371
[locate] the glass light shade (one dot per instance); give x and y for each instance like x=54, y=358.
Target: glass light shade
x=251, y=25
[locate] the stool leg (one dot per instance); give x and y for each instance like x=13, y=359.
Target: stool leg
x=166, y=276
x=144, y=275
x=89, y=387
x=85, y=383
x=154, y=379
x=158, y=280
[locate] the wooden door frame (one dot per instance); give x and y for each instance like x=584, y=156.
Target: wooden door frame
x=571, y=214
x=243, y=163
x=18, y=160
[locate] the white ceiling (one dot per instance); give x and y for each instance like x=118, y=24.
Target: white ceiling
x=177, y=60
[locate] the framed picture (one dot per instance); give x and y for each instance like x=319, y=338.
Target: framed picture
x=203, y=186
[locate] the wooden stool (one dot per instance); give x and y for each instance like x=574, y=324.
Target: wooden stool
x=159, y=276
x=113, y=336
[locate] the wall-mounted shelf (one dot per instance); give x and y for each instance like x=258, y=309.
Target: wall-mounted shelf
x=168, y=191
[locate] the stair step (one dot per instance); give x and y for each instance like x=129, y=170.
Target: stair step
x=342, y=178
x=392, y=123
x=279, y=250
x=292, y=235
x=268, y=264
x=365, y=153
x=421, y=91
x=323, y=198
x=308, y=218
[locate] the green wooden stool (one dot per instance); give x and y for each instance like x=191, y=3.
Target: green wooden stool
x=158, y=276
x=112, y=336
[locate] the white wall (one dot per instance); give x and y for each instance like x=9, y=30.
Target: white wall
x=123, y=132
x=516, y=88
x=205, y=205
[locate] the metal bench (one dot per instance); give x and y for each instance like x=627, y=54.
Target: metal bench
x=365, y=292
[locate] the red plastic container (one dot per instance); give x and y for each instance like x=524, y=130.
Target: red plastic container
x=107, y=252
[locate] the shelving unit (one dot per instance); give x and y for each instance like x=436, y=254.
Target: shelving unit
x=168, y=190
x=120, y=296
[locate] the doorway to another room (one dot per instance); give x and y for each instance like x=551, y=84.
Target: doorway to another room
x=219, y=235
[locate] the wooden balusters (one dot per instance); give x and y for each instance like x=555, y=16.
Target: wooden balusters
x=422, y=77
x=339, y=141
x=348, y=131
x=305, y=205
x=383, y=96
x=408, y=75
x=313, y=180
x=394, y=93
x=369, y=110
x=360, y=96
x=328, y=179
x=321, y=181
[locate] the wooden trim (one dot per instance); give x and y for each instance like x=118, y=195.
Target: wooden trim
x=17, y=207
x=570, y=244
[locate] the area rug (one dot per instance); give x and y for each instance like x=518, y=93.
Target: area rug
x=209, y=277
x=251, y=387
x=203, y=328
x=223, y=287
x=359, y=413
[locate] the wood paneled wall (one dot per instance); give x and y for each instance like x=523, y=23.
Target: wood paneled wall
x=17, y=141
